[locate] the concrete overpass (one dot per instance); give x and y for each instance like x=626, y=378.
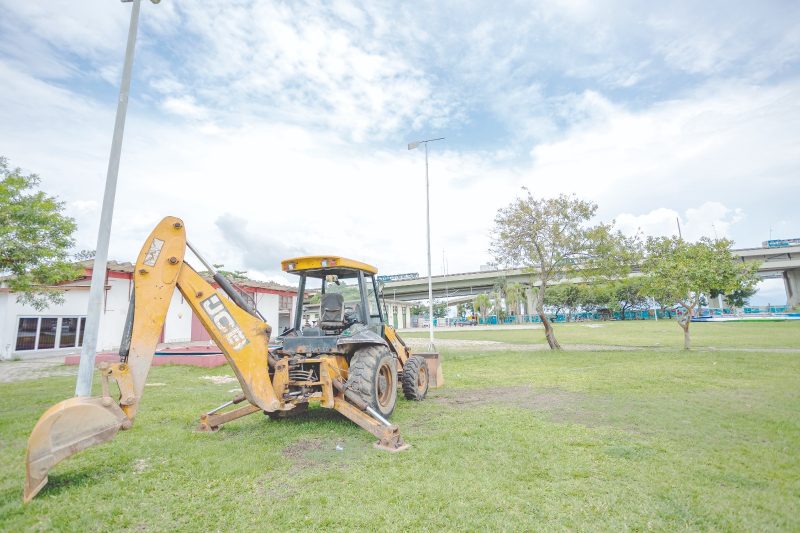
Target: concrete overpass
x=775, y=263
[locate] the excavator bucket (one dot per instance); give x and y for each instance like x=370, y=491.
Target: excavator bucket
x=79, y=423
x=64, y=430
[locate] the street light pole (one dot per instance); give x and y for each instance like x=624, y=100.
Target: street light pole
x=83, y=387
x=412, y=146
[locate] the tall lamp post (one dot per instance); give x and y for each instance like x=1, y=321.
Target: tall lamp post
x=83, y=387
x=412, y=146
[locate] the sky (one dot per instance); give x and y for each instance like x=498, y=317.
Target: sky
x=277, y=129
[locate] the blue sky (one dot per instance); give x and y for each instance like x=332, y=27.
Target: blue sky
x=277, y=128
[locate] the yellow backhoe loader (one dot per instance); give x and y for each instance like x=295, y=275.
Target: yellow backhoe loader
x=350, y=361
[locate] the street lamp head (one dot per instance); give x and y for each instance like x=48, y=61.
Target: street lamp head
x=413, y=145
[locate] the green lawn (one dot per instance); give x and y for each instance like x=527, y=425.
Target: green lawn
x=643, y=333
x=637, y=440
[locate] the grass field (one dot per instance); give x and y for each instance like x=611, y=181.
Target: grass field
x=517, y=440
x=644, y=334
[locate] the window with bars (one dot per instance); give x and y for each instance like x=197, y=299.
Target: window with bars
x=49, y=332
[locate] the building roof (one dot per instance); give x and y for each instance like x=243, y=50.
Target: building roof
x=127, y=268
x=113, y=266
x=116, y=266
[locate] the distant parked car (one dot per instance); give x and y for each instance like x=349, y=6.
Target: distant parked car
x=465, y=322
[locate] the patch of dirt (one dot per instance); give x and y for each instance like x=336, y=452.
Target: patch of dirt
x=523, y=396
x=300, y=449
x=559, y=404
x=305, y=455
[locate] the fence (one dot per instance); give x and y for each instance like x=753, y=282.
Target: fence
x=585, y=316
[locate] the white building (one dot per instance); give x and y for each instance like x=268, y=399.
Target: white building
x=398, y=313
x=28, y=333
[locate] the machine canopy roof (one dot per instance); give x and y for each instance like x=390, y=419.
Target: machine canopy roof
x=319, y=266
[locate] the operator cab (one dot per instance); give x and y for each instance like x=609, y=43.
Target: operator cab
x=348, y=294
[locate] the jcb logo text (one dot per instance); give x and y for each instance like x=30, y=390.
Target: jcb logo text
x=224, y=322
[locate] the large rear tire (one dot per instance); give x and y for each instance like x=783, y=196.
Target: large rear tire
x=416, y=378
x=373, y=376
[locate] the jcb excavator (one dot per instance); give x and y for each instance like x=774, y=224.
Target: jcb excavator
x=351, y=361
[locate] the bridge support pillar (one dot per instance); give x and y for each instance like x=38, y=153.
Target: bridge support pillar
x=529, y=301
x=791, y=280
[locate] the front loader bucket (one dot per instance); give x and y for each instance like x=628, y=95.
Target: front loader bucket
x=436, y=376
x=65, y=429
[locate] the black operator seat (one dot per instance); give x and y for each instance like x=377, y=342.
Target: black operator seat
x=351, y=316
x=331, y=312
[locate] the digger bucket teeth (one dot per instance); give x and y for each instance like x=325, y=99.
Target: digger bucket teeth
x=64, y=430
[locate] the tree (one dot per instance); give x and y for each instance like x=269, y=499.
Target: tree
x=737, y=298
x=566, y=296
x=515, y=293
x=230, y=274
x=439, y=309
x=482, y=304
x=682, y=272
x=629, y=295
x=35, y=240
x=552, y=239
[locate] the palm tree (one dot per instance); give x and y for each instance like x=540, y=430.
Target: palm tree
x=482, y=303
x=514, y=296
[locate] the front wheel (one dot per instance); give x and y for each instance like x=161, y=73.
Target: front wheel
x=373, y=376
x=415, y=378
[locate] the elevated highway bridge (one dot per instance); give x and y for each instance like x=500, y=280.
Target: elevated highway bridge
x=775, y=263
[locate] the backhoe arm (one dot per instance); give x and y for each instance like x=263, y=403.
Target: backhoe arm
x=78, y=423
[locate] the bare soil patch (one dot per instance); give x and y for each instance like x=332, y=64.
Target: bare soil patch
x=559, y=405
x=299, y=450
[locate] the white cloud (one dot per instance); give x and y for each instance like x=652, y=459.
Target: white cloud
x=711, y=219
x=289, y=121
x=184, y=106
x=730, y=144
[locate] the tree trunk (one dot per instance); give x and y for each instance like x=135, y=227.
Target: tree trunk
x=548, y=328
x=686, y=338
x=684, y=322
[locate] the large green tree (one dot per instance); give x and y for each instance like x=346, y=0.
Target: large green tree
x=553, y=239
x=737, y=298
x=629, y=295
x=515, y=294
x=568, y=296
x=35, y=239
x=482, y=305
x=681, y=272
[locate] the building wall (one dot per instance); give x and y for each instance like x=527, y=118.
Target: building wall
x=267, y=305
x=177, y=328
x=76, y=301
x=112, y=321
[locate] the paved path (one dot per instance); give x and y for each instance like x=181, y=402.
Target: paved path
x=11, y=371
